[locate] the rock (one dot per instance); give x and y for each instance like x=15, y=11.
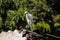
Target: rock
x=11, y=35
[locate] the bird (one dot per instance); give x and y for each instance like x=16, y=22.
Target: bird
x=29, y=18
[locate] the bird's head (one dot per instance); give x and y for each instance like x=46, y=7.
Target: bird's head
x=26, y=12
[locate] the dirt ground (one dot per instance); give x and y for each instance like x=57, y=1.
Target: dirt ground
x=15, y=35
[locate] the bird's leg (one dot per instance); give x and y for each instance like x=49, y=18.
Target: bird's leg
x=30, y=27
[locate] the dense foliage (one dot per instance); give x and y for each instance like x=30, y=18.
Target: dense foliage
x=46, y=14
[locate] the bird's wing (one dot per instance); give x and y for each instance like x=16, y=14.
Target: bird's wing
x=30, y=16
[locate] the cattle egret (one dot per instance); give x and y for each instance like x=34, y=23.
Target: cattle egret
x=29, y=19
